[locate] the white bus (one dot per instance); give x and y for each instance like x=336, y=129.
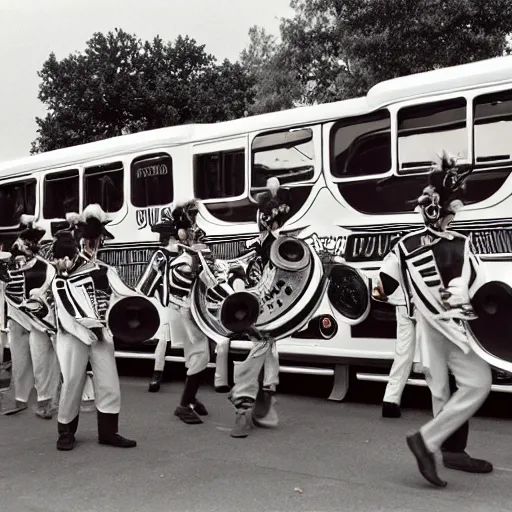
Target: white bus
x=354, y=168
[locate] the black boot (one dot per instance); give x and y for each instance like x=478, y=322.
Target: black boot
x=108, y=426
x=67, y=431
x=186, y=410
x=425, y=459
x=461, y=461
x=391, y=410
x=154, y=385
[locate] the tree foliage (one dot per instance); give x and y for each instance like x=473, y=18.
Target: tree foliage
x=337, y=49
x=121, y=84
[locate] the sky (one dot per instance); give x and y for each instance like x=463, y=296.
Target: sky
x=31, y=29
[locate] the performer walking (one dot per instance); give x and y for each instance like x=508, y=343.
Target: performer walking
x=441, y=272
x=155, y=283
x=183, y=270
x=82, y=292
x=34, y=361
x=255, y=405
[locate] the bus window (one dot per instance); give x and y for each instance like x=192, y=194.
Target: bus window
x=493, y=125
x=287, y=155
x=103, y=185
x=61, y=194
x=361, y=145
x=151, y=180
x=219, y=175
x=17, y=198
x=424, y=131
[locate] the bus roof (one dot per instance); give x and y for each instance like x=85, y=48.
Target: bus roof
x=467, y=76
x=176, y=135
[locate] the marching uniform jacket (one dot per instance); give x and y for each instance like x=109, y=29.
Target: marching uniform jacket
x=426, y=261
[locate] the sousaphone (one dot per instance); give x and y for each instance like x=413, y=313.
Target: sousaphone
x=286, y=297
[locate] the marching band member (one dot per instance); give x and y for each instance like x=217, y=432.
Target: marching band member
x=442, y=272
x=255, y=406
x=34, y=361
x=155, y=283
x=82, y=292
x=183, y=270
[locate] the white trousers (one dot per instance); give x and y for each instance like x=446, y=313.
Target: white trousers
x=264, y=356
x=195, y=342
x=34, y=363
x=472, y=376
x=405, y=347
x=73, y=357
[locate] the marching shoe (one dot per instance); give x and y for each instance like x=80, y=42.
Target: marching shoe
x=108, y=425
x=19, y=406
x=44, y=409
x=154, y=385
x=244, y=421
x=463, y=462
x=67, y=431
x=188, y=415
x=199, y=408
x=391, y=410
x=425, y=459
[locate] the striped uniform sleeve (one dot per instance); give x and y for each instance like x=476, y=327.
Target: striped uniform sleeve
x=473, y=269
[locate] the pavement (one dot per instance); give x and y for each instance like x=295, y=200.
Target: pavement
x=324, y=456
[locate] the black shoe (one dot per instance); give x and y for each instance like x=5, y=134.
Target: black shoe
x=66, y=442
x=222, y=389
x=108, y=425
x=187, y=415
x=67, y=431
x=154, y=385
x=391, y=410
x=425, y=459
x=463, y=462
x=199, y=408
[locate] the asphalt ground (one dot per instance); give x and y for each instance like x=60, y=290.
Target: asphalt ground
x=324, y=456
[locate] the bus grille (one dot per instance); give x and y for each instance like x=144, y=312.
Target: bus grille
x=130, y=263
x=374, y=247
x=227, y=250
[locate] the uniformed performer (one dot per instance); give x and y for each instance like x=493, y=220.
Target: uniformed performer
x=183, y=270
x=155, y=283
x=442, y=272
x=253, y=394
x=31, y=324
x=83, y=290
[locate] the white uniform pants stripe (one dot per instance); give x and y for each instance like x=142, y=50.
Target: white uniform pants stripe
x=195, y=343
x=262, y=355
x=472, y=376
x=404, y=356
x=73, y=357
x=34, y=363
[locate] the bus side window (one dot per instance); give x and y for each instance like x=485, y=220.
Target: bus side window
x=287, y=155
x=493, y=125
x=220, y=174
x=361, y=145
x=16, y=198
x=151, y=180
x=103, y=185
x=61, y=194
x=424, y=131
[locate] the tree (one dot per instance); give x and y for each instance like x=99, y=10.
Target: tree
x=121, y=84
x=275, y=84
x=339, y=49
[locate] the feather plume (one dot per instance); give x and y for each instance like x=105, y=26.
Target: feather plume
x=273, y=186
x=94, y=211
x=27, y=220
x=73, y=218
